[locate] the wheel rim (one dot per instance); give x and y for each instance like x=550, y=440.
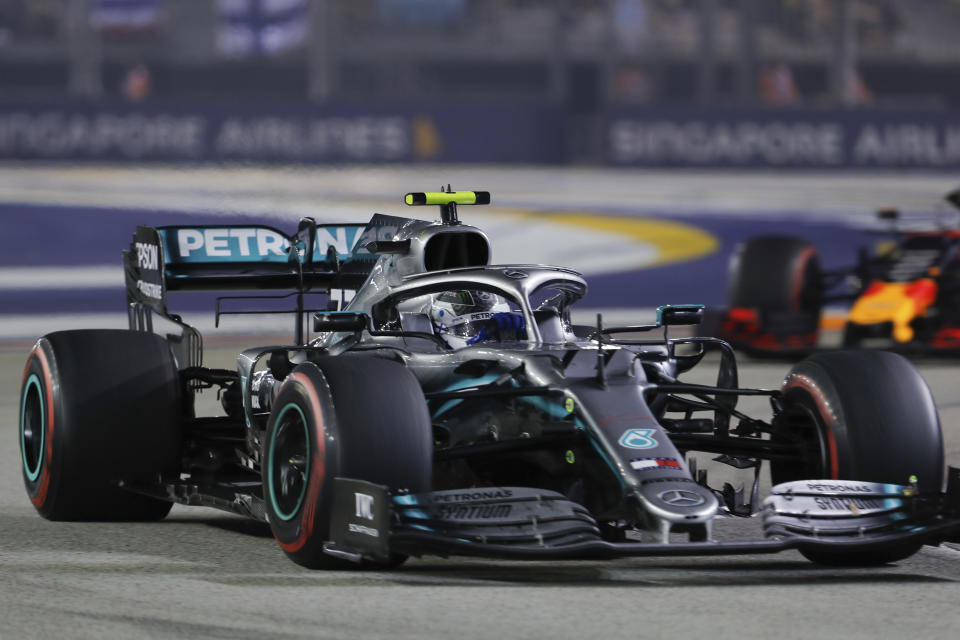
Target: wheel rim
x=802, y=426
x=32, y=421
x=288, y=461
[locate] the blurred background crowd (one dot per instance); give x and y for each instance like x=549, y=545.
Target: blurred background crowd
x=644, y=82
x=582, y=52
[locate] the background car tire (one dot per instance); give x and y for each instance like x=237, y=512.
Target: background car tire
x=778, y=277
x=862, y=415
x=356, y=417
x=97, y=407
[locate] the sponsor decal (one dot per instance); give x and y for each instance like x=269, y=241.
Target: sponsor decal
x=830, y=506
x=645, y=464
x=473, y=512
x=367, y=531
x=364, y=505
x=150, y=290
x=681, y=498
x=147, y=255
x=570, y=457
x=569, y=405
x=638, y=439
x=516, y=274
x=839, y=488
x=251, y=244
x=847, y=504
x=467, y=496
x=230, y=243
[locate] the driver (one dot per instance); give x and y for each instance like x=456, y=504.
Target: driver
x=466, y=317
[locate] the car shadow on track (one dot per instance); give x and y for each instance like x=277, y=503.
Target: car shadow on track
x=800, y=572
x=233, y=524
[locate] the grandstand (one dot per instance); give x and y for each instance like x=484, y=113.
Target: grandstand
x=586, y=52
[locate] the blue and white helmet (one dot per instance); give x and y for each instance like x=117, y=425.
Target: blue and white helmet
x=461, y=316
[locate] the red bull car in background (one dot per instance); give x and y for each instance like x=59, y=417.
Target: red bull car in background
x=905, y=295
x=451, y=407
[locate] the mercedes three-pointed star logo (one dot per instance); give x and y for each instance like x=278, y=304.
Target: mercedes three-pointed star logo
x=681, y=498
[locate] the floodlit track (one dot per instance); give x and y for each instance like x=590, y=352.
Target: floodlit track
x=205, y=574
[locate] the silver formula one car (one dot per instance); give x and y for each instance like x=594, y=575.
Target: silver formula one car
x=451, y=406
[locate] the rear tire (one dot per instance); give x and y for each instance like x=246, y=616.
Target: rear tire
x=363, y=418
x=98, y=407
x=860, y=415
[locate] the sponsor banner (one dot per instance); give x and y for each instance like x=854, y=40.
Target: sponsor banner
x=861, y=138
x=529, y=132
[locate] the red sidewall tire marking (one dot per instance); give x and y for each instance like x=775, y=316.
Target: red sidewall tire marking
x=40, y=498
x=317, y=466
x=800, y=381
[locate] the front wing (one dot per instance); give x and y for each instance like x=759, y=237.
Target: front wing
x=533, y=524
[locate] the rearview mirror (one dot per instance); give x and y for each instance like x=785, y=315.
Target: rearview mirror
x=329, y=321
x=887, y=213
x=679, y=314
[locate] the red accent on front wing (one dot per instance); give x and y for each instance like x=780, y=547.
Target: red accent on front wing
x=742, y=326
x=742, y=314
x=946, y=338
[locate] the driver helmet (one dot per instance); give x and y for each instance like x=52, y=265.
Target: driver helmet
x=464, y=317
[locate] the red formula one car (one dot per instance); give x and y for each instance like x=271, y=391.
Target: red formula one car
x=905, y=295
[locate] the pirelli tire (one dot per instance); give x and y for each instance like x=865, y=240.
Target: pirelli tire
x=99, y=408
x=780, y=278
x=358, y=417
x=860, y=415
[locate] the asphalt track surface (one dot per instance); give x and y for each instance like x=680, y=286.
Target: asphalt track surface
x=205, y=574
x=202, y=573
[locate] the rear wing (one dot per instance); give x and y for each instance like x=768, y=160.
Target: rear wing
x=316, y=259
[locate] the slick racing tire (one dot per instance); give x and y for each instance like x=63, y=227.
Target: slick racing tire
x=357, y=417
x=97, y=408
x=860, y=415
x=779, y=278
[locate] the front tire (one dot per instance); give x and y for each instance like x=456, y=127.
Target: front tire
x=776, y=294
x=363, y=418
x=860, y=415
x=98, y=407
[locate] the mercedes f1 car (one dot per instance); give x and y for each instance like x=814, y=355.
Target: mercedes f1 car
x=450, y=406
x=906, y=295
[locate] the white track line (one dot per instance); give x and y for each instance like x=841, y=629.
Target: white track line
x=61, y=277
